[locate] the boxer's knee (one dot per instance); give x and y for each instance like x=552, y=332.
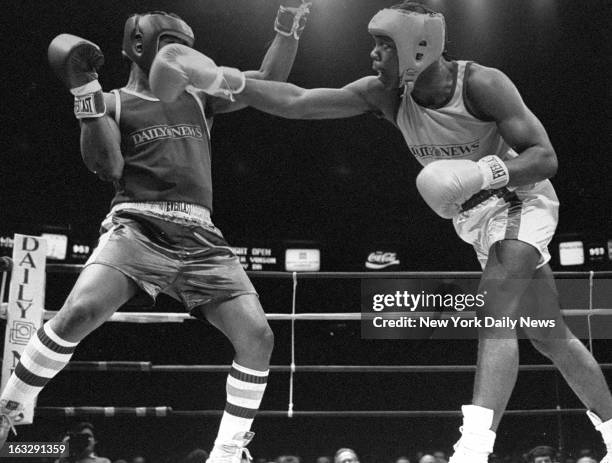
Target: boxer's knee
x=512, y=259
x=502, y=298
x=260, y=339
x=267, y=340
x=544, y=347
x=256, y=341
x=507, y=277
x=79, y=315
x=555, y=348
x=244, y=323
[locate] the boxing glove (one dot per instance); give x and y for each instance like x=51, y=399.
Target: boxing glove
x=290, y=21
x=177, y=67
x=75, y=61
x=446, y=185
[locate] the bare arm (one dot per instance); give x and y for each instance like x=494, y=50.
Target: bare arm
x=101, y=144
x=494, y=96
x=293, y=102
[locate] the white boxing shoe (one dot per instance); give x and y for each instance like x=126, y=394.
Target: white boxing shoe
x=605, y=428
x=10, y=413
x=233, y=450
x=477, y=439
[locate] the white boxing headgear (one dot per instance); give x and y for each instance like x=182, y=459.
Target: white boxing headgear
x=419, y=39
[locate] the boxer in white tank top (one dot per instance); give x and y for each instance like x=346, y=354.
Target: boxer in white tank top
x=487, y=160
x=450, y=132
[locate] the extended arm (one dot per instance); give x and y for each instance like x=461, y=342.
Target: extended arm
x=177, y=67
x=290, y=101
x=494, y=95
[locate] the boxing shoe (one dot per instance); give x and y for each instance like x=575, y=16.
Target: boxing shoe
x=232, y=451
x=476, y=442
x=10, y=413
x=605, y=428
x=465, y=452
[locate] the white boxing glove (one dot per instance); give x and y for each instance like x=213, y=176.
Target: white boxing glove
x=446, y=185
x=177, y=67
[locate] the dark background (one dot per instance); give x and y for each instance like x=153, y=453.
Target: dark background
x=347, y=184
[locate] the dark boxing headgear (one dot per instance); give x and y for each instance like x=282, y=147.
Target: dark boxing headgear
x=142, y=33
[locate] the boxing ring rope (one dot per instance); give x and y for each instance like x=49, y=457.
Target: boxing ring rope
x=590, y=327
x=292, y=369
x=158, y=317
x=148, y=367
x=76, y=268
x=165, y=411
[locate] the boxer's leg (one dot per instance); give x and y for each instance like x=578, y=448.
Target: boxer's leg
x=572, y=358
x=124, y=256
x=214, y=286
x=244, y=323
x=99, y=291
x=506, y=277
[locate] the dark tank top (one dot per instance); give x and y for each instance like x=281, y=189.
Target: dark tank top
x=166, y=149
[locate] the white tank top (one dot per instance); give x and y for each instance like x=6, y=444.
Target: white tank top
x=450, y=131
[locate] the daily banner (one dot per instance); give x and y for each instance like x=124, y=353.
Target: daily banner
x=25, y=304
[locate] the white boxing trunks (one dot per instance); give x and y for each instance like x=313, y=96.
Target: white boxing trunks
x=529, y=215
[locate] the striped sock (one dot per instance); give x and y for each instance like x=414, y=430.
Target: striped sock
x=44, y=356
x=245, y=389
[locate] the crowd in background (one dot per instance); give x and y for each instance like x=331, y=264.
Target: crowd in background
x=539, y=454
x=83, y=442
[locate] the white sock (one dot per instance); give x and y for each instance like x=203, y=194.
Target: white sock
x=245, y=389
x=44, y=356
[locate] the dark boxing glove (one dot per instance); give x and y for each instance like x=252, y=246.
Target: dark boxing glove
x=290, y=21
x=75, y=61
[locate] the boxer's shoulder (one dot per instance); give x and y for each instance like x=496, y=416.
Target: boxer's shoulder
x=381, y=99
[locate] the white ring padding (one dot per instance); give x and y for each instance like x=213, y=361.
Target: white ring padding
x=107, y=412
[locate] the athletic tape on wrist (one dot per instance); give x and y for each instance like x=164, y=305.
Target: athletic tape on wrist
x=297, y=26
x=91, y=105
x=89, y=87
x=222, y=88
x=215, y=87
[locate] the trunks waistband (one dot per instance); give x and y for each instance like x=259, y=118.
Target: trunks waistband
x=169, y=210
x=480, y=197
